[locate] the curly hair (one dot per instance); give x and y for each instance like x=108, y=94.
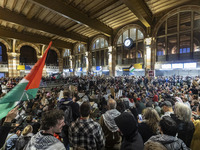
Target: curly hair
x=50, y=118
x=151, y=118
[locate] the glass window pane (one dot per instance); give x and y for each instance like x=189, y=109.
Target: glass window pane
x=97, y=44
x=79, y=48
x=97, y=58
x=185, y=20
x=161, y=30
x=185, y=41
x=106, y=56
x=172, y=24
x=133, y=34
x=94, y=46
x=196, y=40
x=93, y=59
x=0, y=58
x=106, y=43
x=119, y=40
x=102, y=42
x=102, y=58
x=196, y=20
x=172, y=44
x=140, y=35
x=125, y=35
x=161, y=46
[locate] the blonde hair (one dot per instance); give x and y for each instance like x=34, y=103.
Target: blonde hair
x=27, y=129
x=182, y=112
x=151, y=118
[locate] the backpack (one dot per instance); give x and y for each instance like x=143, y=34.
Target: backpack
x=68, y=115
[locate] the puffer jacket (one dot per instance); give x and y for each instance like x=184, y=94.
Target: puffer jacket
x=170, y=142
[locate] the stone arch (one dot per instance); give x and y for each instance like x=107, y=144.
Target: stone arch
x=95, y=38
x=8, y=46
x=126, y=28
x=56, y=50
x=194, y=8
x=28, y=44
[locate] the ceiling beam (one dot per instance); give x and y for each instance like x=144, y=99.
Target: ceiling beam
x=13, y=17
x=141, y=10
x=33, y=38
x=74, y=14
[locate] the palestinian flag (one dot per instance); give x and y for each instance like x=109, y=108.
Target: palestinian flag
x=26, y=89
x=131, y=69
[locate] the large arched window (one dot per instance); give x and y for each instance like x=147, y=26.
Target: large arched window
x=100, y=52
x=179, y=34
x=80, y=60
x=28, y=55
x=66, y=58
x=3, y=54
x=135, y=53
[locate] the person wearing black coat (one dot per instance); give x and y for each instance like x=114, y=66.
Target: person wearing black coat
x=168, y=129
x=128, y=126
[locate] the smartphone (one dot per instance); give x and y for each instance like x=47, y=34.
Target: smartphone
x=140, y=117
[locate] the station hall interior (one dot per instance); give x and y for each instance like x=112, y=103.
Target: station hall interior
x=101, y=37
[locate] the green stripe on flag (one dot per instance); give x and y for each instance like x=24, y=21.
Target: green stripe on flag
x=15, y=94
x=5, y=108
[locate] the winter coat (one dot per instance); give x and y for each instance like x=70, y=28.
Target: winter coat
x=170, y=142
x=185, y=130
x=196, y=136
x=22, y=141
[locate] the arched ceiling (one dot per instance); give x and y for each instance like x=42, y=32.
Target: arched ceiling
x=69, y=21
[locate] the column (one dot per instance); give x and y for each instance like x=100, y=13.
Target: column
x=87, y=61
x=111, y=60
x=13, y=62
x=148, y=56
x=60, y=64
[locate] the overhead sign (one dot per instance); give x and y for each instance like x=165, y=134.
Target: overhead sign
x=125, y=69
x=166, y=66
x=190, y=65
x=21, y=67
x=174, y=66
x=28, y=67
x=98, y=68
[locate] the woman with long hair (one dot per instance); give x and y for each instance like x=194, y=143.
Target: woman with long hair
x=149, y=124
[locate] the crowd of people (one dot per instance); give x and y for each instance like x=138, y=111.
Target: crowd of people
x=109, y=113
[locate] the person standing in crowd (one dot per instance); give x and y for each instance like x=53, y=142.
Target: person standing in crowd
x=24, y=138
x=128, y=126
x=149, y=126
x=109, y=127
x=51, y=122
x=167, y=108
x=196, y=136
x=168, y=129
x=182, y=116
x=85, y=132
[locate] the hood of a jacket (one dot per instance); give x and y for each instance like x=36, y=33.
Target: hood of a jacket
x=42, y=141
x=109, y=117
